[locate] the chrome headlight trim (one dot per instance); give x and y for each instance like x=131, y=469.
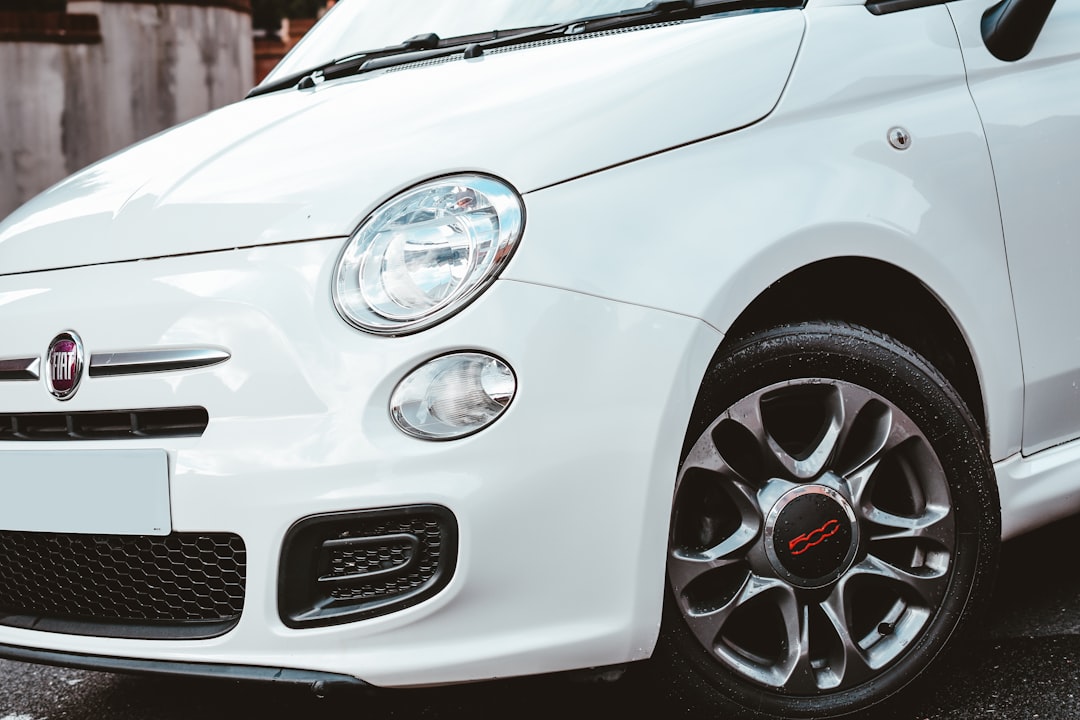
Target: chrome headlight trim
x=428, y=252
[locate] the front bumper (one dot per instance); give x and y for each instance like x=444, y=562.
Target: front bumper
x=562, y=505
x=316, y=681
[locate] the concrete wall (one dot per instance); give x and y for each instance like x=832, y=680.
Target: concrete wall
x=66, y=104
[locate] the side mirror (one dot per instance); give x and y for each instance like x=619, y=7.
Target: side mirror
x=1011, y=27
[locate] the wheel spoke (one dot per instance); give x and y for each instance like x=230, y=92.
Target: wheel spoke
x=936, y=524
x=747, y=415
x=856, y=408
x=870, y=430
x=792, y=670
x=707, y=626
x=684, y=568
x=850, y=665
x=705, y=456
x=928, y=586
x=859, y=428
x=810, y=465
x=859, y=481
x=747, y=412
x=796, y=672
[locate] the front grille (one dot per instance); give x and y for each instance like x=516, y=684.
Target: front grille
x=105, y=425
x=350, y=566
x=175, y=586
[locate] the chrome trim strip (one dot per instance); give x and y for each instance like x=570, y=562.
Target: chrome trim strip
x=135, y=362
x=20, y=369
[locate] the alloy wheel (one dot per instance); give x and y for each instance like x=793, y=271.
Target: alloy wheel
x=812, y=538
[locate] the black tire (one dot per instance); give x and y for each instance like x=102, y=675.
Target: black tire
x=835, y=527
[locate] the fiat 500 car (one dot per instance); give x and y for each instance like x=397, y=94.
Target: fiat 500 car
x=491, y=339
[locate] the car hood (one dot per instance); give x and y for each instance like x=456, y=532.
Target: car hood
x=306, y=164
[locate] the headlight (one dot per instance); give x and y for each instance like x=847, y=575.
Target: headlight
x=427, y=253
x=453, y=396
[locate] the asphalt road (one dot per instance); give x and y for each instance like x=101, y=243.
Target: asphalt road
x=1029, y=667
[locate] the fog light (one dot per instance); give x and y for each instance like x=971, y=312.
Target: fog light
x=453, y=396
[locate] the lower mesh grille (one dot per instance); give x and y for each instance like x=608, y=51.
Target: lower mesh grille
x=350, y=566
x=371, y=560
x=175, y=586
x=351, y=559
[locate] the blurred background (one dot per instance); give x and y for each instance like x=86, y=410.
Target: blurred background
x=82, y=79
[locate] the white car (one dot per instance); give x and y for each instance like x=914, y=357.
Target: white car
x=492, y=338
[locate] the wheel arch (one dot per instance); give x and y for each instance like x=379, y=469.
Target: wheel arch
x=869, y=297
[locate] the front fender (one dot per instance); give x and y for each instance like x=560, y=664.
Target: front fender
x=702, y=230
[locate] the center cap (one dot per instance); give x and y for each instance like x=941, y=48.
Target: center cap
x=811, y=536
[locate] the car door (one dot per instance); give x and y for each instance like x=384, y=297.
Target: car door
x=1030, y=108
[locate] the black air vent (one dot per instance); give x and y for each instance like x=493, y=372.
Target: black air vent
x=105, y=425
x=345, y=567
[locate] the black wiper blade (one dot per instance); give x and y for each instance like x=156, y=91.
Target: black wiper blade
x=416, y=45
x=349, y=64
x=469, y=45
x=675, y=10
x=430, y=46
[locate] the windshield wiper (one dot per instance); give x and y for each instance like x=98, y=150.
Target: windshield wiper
x=430, y=46
x=420, y=47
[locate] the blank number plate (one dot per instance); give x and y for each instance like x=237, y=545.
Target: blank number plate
x=107, y=492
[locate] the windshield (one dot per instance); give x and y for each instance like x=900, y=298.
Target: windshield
x=355, y=25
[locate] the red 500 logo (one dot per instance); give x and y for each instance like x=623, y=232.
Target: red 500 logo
x=814, y=537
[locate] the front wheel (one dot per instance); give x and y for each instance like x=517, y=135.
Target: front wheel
x=835, y=525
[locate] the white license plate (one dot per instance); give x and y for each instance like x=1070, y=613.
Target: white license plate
x=113, y=492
